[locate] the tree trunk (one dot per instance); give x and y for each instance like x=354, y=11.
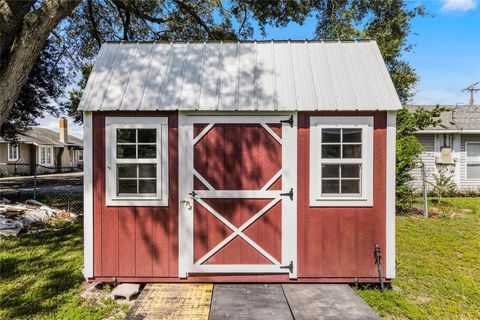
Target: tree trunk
x=26, y=47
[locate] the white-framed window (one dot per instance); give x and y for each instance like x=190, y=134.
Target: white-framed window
x=341, y=161
x=136, y=161
x=472, y=160
x=45, y=156
x=13, y=152
x=80, y=155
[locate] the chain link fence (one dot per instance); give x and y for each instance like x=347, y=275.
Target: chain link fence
x=57, y=187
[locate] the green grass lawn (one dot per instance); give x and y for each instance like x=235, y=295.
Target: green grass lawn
x=41, y=278
x=438, y=267
x=438, y=272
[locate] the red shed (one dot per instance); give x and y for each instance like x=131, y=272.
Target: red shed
x=239, y=162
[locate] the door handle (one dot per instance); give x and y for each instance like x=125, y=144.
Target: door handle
x=187, y=204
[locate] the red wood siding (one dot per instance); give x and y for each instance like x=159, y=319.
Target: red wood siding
x=134, y=241
x=339, y=242
x=334, y=244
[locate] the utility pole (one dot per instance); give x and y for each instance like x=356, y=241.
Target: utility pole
x=471, y=88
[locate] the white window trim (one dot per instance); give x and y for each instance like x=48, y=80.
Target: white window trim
x=10, y=158
x=366, y=197
x=113, y=123
x=470, y=160
x=40, y=155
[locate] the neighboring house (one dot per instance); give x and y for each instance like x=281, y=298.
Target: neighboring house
x=453, y=146
x=43, y=150
x=239, y=162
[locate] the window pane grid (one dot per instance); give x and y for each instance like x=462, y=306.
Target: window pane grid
x=140, y=153
x=136, y=148
x=341, y=148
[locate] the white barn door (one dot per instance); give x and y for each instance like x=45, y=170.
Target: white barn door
x=237, y=193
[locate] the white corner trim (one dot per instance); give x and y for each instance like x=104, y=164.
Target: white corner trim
x=88, y=195
x=159, y=123
x=365, y=199
x=390, y=196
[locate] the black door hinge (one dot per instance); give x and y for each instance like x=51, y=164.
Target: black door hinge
x=193, y=193
x=289, y=267
x=289, y=194
x=289, y=121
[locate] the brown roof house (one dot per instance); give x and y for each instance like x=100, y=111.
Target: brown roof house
x=453, y=146
x=43, y=150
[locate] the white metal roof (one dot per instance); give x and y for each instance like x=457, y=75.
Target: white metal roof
x=273, y=75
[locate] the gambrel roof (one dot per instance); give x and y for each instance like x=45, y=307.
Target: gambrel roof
x=246, y=75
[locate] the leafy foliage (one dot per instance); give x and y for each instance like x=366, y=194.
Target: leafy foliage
x=409, y=149
x=97, y=21
x=388, y=22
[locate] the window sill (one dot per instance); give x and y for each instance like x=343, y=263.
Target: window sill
x=137, y=202
x=341, y=202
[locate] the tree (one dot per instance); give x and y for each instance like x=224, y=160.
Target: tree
x=24, y=28
x=386, y=21
x=409, y=149
x=26, y=25
x=45, y=84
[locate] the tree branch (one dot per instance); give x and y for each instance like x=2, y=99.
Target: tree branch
x=128, y=7
x=93, y=23
x=126, y=25
x=187, y=8
x=11, y=21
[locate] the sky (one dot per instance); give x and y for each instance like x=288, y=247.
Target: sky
x=446, y=53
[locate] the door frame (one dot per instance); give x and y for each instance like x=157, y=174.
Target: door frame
x=289, y=180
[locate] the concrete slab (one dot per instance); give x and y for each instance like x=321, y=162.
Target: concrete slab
x=326, y=301
x=126, y=290
x=249, y=301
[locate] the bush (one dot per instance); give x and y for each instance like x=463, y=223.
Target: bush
x=409, y=149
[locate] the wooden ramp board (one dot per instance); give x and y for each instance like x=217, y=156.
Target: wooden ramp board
x=249, y=301
x=326, y=301
x=173, y=301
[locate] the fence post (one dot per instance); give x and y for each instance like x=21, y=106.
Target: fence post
x=35, y=184
x=425, y=193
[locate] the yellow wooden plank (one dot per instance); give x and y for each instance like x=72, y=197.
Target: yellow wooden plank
x=173, y=301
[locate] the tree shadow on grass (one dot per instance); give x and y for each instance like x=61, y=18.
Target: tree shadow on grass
x=39, y=272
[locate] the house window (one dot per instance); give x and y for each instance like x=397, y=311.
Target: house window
x=136, y=153
x=46, y=156
x=473, y=160
x=80, y=155
x=341, y=161
x=13, y=152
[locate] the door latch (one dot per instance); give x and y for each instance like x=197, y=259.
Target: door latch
x=289, y=194
x=289, y=121
x=193, y=194
x=289, y=267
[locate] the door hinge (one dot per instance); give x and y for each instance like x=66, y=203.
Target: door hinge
x=289, y=194
x=193, y=194
x=289, y=267
x=289, y=121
